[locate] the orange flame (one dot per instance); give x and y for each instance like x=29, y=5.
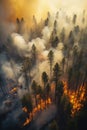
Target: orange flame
x=76, y=97
x=13, y=90
x=41, y=106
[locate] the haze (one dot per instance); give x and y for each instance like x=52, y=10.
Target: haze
x=11, y=9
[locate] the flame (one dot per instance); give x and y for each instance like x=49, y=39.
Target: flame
x=13, y=90
x=24, y=109
x=27, y=122
x=76, y=97
x=41, y=106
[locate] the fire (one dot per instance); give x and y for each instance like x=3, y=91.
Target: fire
x=65, y=88
x=49, y=101
x=41, y=106
x=13, y=90
x=27, y=122
x=24, y=109
x=76, y=97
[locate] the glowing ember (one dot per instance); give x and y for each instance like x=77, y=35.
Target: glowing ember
x=27, y=122
x=24, y=109
x=13, y=90
x=41, y=106
x=76, y=97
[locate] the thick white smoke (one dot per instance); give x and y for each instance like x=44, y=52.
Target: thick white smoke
x=23, y=47
x=39, y=43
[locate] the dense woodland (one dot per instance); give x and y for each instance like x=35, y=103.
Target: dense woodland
x=52, y=65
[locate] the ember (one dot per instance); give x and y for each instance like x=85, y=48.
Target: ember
x=76, y=97
x=41, y=106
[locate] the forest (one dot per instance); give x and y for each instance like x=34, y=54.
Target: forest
x=43, y=73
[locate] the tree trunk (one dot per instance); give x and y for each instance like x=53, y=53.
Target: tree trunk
x=55, y=90
x=45, y=93
x=36, y=100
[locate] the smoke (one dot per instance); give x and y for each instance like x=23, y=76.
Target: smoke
x=11, y=9
x=5, y=107
x=11, y=58
x=19, y=42
x=46, y=117
x=39, y=43
x=6, y=68
x=21, y=93
x=5, y=30
x=9, y=69
x=19, y=47
x=23, y=48
x=46, y=32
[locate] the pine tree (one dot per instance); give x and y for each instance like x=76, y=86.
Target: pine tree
x=34, y=90
x=56, y=75
x=51, y=58
x=45, y=81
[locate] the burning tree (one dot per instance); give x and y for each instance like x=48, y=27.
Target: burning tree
x=27, y=107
